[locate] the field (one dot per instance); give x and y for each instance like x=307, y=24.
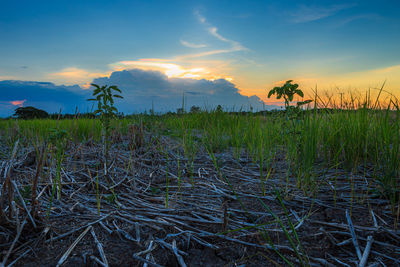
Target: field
x=320, y=187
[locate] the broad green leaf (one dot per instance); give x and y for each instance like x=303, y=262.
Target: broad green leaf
x=304, y=102
x=300, y=93
x=96, y=91
x=116, y=88
x=95, y=85
x=271, y=93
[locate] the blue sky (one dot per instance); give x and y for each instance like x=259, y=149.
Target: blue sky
x=252, y=44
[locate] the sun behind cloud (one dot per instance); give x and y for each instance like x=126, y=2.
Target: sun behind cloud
x=73, y=75
x=172, y=70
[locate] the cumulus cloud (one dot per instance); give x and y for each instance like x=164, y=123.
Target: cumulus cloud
x=142, y=88
x=170, y=69
x=74, y=75
x=43, y=95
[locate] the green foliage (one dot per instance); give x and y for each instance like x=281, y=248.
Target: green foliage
x=104, y=96
x=288, y=91
x=155, y=190
x=360, y=138
x=180, y=111
x=110, y=198
x=58, y=142
x=26, y=193
x=58, y=135
x=195, y=109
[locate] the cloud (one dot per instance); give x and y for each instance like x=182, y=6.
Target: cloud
x=140, y=89
x=200, y=17
x=312, y=13
x=143, y=88
x=234, y=46
x=192, y=45
x=350, y=19
x=43, y=95
x=73, y=75
x=19, y=103
x=172, y=70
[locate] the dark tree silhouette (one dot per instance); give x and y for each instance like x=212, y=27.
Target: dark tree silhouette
x=195, y=109
x=30, y=113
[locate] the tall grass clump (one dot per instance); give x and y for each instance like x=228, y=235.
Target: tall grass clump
x=58, y=141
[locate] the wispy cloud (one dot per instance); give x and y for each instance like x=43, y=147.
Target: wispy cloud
x=192, y=45
x=181, y=66
x=199, y=16
x=312, y=13
x=234, y=46
x=357, y=17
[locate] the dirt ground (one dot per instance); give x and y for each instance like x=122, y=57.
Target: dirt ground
x=221, y=219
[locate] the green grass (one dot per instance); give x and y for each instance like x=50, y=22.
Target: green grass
x=361, y=138
x=353, y=138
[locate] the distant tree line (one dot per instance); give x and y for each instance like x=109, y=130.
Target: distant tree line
x=35, y=113
x=29, y=112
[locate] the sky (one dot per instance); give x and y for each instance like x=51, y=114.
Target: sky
x=246, y=47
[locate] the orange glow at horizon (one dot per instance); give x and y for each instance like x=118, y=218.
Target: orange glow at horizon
x=252, y=81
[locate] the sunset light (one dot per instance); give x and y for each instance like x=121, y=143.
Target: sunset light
x=200, y=133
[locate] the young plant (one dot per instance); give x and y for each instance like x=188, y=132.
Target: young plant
x=288, y=91
x=289, y=232
x=58, y=143
x=104, y=96
x=301, y=150
x=166, y=181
